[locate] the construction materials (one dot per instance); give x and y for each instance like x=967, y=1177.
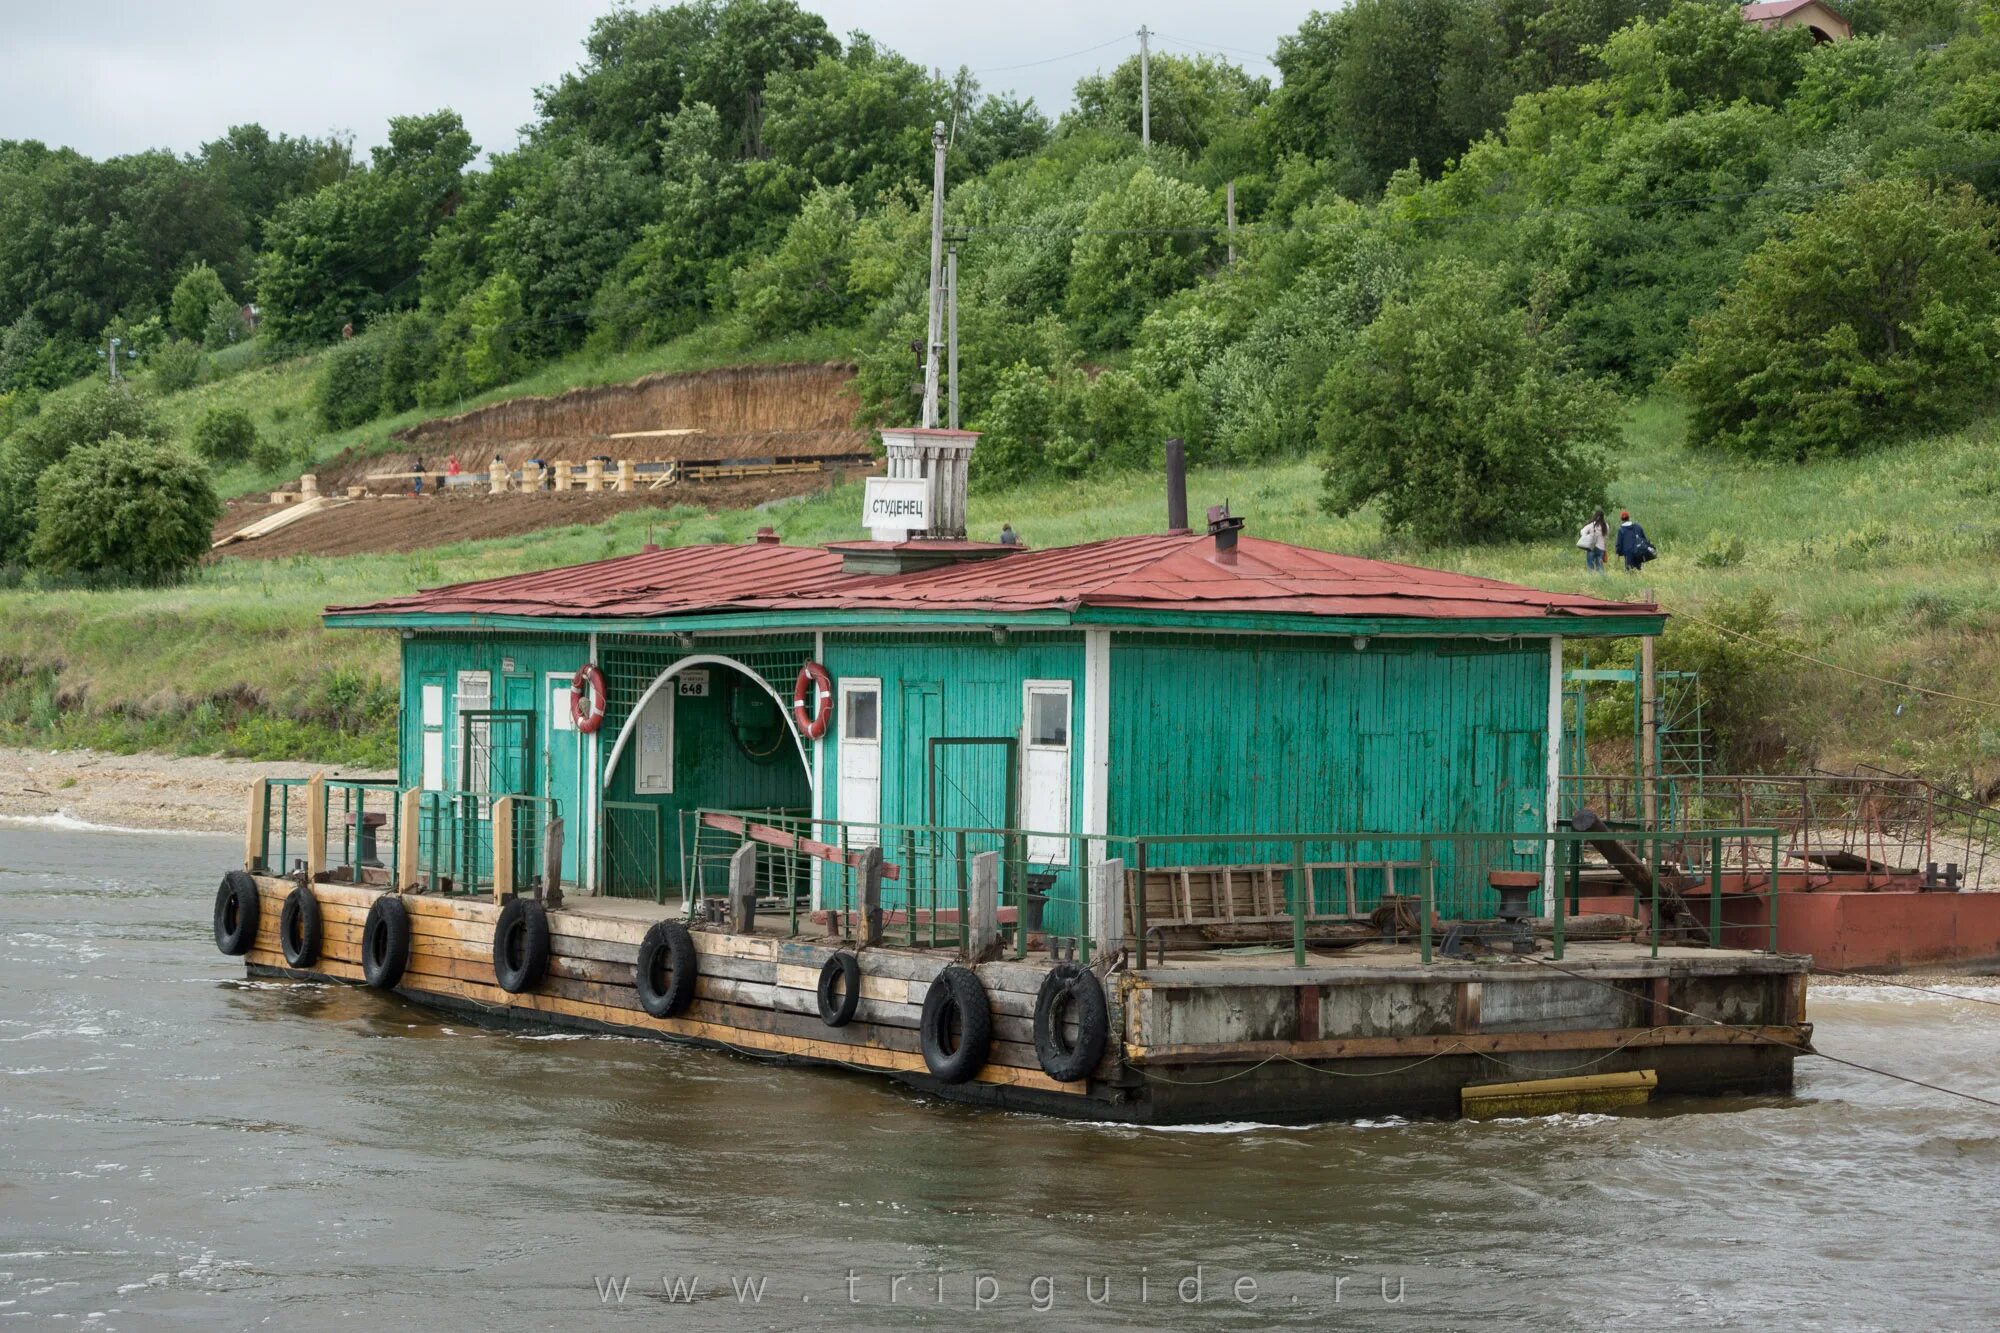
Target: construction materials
x=305, y=508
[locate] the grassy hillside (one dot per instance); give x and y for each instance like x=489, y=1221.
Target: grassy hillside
x=1883, y=565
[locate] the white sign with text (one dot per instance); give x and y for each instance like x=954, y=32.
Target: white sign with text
x=894, y=507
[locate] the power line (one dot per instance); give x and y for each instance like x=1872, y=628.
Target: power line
x=1032, y=64
x=1834, y=666
x=1212, y=48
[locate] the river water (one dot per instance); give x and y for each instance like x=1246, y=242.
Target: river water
x=182, y=1147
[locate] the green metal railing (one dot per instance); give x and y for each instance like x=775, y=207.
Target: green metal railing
x=635, y=851
x=362, y=820
x=1271, y=881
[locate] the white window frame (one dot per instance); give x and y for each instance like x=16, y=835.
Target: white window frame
x=1049, y=851
x=668, y=704
x=481, y=738
x=431, y=736
x=848, y=687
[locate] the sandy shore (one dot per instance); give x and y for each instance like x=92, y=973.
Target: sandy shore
x=148, y=791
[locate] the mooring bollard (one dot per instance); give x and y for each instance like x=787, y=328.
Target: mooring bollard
x=1107, y=910
x=983, y=908
x=871, y=896
x=743, y=889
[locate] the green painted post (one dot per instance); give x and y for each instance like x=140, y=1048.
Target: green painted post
x=1300, y=891
x=1562, y=904
x=910, y=884
x=1428, y=900
x=1715, y=893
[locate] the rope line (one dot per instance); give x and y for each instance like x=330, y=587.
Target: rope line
x=1769, y=1041
x=1835, y=666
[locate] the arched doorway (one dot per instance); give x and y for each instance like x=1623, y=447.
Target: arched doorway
x=707, y=733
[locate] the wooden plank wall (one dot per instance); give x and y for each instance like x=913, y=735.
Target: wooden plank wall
x=753, y=993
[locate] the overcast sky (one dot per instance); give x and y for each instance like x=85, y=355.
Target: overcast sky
x=115, y=76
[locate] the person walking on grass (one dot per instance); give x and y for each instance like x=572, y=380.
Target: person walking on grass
x=1596, y=535
x=1632, y=543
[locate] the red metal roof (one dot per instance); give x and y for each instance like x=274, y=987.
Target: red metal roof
x=1184, y=573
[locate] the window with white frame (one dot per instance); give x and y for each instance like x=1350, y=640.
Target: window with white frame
x=1045, y=768
x=860, y=731
x=431, y=718
x=475, y=694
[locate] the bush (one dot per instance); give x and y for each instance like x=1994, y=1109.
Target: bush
x=273, y=453
x=478, y=343
x=177, y=366
x=409, y=358
x=1141, y=242
x=194, y=300
x=225, y=435
x=349, y=389
x=1878, y=316
x=69, y=420
x=1460, y=422
x=124, y=508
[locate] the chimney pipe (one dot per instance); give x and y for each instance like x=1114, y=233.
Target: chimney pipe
x=1223, y=526
x=1177, y=524
x=767, y=536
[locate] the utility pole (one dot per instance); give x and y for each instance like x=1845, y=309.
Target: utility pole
x=111, y=356
x=951, y=328
x=1232, y=222
x=937, y=258
x=1145, y=90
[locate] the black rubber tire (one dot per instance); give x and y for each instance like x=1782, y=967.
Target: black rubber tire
x=521, y=946
x=385, y=942
x=956, y=999
x=666, y=969
x=845, y=970
x=236, y=904
x=1069, y=992
x=298, y=927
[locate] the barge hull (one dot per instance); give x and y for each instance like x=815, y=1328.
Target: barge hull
x=1190, y=1044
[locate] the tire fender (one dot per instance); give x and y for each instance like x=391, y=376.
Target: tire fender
x=385, y=942
x=666, y=969
x=844, y=970
x=237, y=904
x=1070, y=993
x=299, y=927
x=956, y=1000
x=521, y=945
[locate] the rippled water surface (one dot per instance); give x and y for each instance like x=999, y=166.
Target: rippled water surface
x=182, y=1147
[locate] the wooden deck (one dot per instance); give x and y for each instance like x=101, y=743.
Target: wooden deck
x=755, y=993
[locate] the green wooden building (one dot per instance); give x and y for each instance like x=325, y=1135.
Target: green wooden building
x=1185, y=683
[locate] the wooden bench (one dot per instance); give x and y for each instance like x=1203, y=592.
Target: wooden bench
x=1219, y=904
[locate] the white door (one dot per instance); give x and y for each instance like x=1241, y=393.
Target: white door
x=1045, y=753
x=860, y=795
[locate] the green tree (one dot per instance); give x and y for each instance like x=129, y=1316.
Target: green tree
x=1463, y=425
x=225, y=435
x=194, y=296
x=176, y=365
x=644, y=67
x=1139, y=243
x=1194, y=98
x=353, y=249
x=477, y=343
x=259, y=172
x=861, y=119
x=1878, y=315
x=124, y=508
x=70, y=419
x=1702, y=53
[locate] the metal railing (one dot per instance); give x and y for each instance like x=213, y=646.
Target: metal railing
x=360, y=821
x=1264, y=890
x=1881, y=827
x=635, y=852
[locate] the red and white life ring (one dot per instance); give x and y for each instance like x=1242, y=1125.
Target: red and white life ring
x=814, y=723
x=586, y=698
